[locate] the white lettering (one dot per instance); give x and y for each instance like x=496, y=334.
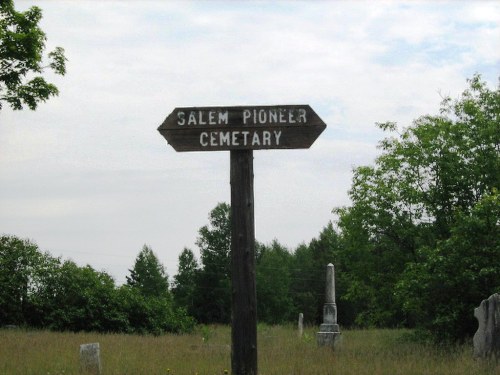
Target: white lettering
x=273, y=116
x=246, y=115
x=302, y=115
x=213, y=138
x=266, y=138
x=225, y=138
x=211, y=118
x=203, y=137
x=255, y=139
x=192, y=119
x=181, y=119
x=235, y=139
x=200, y=116
x=282, y=116
x=245, y=136
x=277, y=135
x=223, y=117
x=262, y=116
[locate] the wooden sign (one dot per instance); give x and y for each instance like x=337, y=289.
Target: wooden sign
x=242, y=128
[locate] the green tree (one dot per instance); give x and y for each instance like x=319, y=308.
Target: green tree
x=148, y=274
x=273, y=282
x=411, y=198
x=213, y=290
x=27, y=282
x=22, y=45
x=309, y=277
x=152, y=314
x=17, y=258
x=185, y=281
x=42, y=289
x=85, y=300
x=305, y=297
x=445, y=283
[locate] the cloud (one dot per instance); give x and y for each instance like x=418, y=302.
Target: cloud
x=88, y=176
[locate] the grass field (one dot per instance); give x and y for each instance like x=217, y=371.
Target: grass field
x=207, y=352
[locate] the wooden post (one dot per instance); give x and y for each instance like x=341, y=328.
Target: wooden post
x=244, y=299
x=240, y=130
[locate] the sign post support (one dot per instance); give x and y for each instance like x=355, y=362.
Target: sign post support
x=244, y=299
x=241, y=130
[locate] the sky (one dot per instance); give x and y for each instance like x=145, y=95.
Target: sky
x=88, y=177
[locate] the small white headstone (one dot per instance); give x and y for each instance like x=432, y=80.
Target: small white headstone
x=90, y=358
x=301, y=324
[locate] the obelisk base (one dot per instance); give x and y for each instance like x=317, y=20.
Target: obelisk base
x=330, y=339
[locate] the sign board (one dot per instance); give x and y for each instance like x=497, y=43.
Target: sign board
x=242, y=128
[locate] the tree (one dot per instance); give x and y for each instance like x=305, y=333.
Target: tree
x=429, y=178
x=85, y=300
x=19, y=260
x=22, y=44
x=451, y=276
x=148, y=275
x=43, y=286
x=445, y=283
x=185, y=281
x=305, y=297
x=151, y=314
x=213, y=291
x=273, y=279
x=308, y=269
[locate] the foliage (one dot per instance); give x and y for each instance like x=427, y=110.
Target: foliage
x=273, y=281
x=406, y=213
x=445, y=283
x=22, y=43
x=185, y=281
x=39, y=291
x=148, y=274
x=19, y=264
x=152, y=314
x=213, y=290
x=309, y=276
x=84, y=300
x=146, y=300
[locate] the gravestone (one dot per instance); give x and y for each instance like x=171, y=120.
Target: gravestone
x=301, y=324
x=487, y=338
x=329, y=332
x=90, y=358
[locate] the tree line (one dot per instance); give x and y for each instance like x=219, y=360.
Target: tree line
x=40, y=291
x=417, y=247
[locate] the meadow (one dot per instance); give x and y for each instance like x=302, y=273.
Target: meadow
x=207, y=352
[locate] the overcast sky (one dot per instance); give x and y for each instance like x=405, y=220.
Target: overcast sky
x=88, y=177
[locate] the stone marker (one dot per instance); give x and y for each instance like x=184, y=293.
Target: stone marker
x=90, y=358
x=487, y=338
x=301, y=324
x=329, y=332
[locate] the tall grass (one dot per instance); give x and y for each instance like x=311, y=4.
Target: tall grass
x=207, y=352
